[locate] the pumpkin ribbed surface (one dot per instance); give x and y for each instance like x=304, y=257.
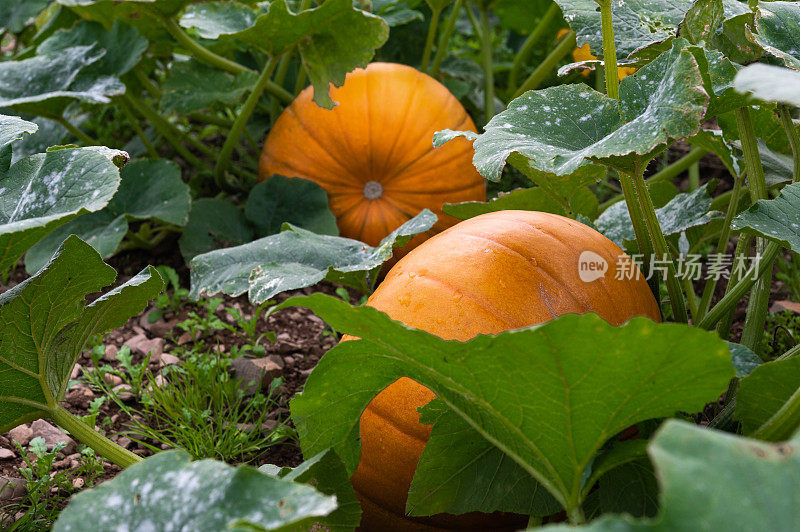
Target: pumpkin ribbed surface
x=495, y=272
x=373, y=152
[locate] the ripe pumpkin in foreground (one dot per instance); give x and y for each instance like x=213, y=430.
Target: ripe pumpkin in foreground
x=373, y=152
x=495, y=272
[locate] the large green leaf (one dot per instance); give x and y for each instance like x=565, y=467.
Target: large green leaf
x=770, y=83
x=170, y=492
x=637, y=24
x=327, y=474
x=45, y=84
x=102, y=230
x=193, y=86
x=212, y=19
x=688, y=209
x=778, y=31
x=44, y=191
x=548, y=396
x=51, y=325
x=460, y=472
x=713, y=480
x=296, y=258
x=526, y=199
x=122, y=44
x=13, y=128
x=149, y=190
x=561, y=128
x=152, y=190
x=765, y=391
x=776, y=219
x=332, y=39
x=15, y=14
x=299, y=202
x=213, y=223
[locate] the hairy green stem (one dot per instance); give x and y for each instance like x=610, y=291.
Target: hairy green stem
x=241, y=121
x=148, y=85
x=126, y=110
x=88, y=436
x=77, y=133
x=742, y=250
x=722, y=245
x=759, y=298
x=666, y=174
x=794, y=139
x=488, y=68
x=212, y=119
x=165, y=128
x=444, y=39
x=609, y=50
x=660, y=249
x=432, y=27
x=564, y=46
x=543, y=27
x=738, y=290
x=694, y=177
x=207, y=56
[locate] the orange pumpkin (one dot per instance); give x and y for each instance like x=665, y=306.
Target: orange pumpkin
x=373, y=152
x=495, y=272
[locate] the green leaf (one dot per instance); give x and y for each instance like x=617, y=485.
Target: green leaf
x=297, y=201
x=327, y=474
x=47, y=83
x=193, y=86
x=718, y=73
x=44, y=191
x=743, y=359
x=561, y=128
x=152, y=190
x=762, y=393
x=770, y=83
x=102, y=230
x=526, y=199
x=169, y=491
x=395, y=12
x=629, y=488
x=213, y=223
x=579, y=377
x=452, y=477
x=296, y=258
x=778, y=31
x=122, y=44
x=638, y=24
x=15, y=14
x=212, y=19
x=713, y=480
x=51, y=326
x=332, y=39
x=703, y=17
x=776, y=219
x=712, y=140
x=767, y=128
x=688, y=209
x=13, y=128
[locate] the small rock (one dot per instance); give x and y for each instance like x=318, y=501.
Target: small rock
x=187, y=337
x=277, y=360
x=284, y=337
x=111, y=353
x=12, y=488
x=124, y=442
x=169, y=360
x=78, y=483
x=141, y=344
x=62, y=464
x=22, y=435
x=137, y=329
x=124, y=392
x=269, y=425
x=256, y=372
x=76, y=372
x=80, y=396
x=112, y=380
x=6, y=454
x=52, y=436
x=316, y=319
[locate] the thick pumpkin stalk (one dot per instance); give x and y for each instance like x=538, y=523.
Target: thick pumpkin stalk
x=88, y=436
x=609, y=50
x=444, y=39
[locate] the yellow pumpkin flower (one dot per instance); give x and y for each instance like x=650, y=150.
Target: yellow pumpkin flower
x=584, y=54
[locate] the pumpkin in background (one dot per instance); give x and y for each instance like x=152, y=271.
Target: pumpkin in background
x=495, y=272
x=373, y=152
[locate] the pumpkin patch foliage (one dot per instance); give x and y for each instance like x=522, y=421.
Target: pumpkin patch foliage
x=563, y=238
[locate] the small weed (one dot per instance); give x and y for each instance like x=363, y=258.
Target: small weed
x=781, y=334
x=168, y=302
x=789, y=274
x=46, y=489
